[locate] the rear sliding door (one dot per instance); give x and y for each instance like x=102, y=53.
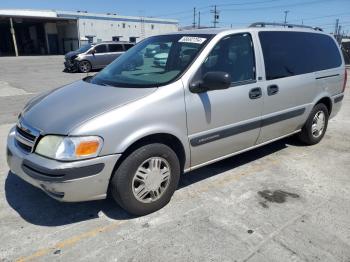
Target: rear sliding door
x=292, y=60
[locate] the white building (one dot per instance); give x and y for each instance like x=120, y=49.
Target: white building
x=57, y=32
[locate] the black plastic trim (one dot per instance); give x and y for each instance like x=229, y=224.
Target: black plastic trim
x=60, y=175
x=231, y=131
x=321, y=77
x=281, y=117
x=338, y=99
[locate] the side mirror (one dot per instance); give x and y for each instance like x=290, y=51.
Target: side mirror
x=93, y=51
x=211, y=81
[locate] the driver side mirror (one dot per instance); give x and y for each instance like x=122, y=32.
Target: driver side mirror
x=215, y=80
x=92, y=51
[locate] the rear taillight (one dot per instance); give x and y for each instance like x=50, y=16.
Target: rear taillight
x=345, y=78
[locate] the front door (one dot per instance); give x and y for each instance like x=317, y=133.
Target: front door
x=222, y=122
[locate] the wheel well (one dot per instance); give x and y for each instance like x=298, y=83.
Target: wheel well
x=171, y=141
x=327, y=102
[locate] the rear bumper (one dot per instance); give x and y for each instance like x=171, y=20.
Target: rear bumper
x=65, y=181
x=337, y=102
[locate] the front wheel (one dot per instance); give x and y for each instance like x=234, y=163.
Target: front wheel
x=315, y=126
x=84, y=66
x=146, y=180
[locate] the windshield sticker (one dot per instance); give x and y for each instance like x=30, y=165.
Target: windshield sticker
x=192, y=39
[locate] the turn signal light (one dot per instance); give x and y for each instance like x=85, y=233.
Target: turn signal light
x=86, y=148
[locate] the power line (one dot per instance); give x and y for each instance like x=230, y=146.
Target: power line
x=323, y=16
x=277, y=6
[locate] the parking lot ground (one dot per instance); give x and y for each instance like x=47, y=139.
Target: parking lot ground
x=280, y=202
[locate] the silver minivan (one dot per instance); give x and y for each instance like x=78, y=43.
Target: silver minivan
x=94, y=56
x=132, y=129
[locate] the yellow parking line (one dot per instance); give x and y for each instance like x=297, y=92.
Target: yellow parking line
x=70, y=241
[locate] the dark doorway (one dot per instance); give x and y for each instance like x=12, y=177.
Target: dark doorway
x=6, y=43
x=53, y=43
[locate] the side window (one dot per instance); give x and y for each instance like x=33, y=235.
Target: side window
x=234, y=55
x=115, y=48
x=101, y=49
x=294, y=53
x=128, y=46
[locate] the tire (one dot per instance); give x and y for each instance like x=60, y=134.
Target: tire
x=84, y=66
x=129, y=188
x=308, y=135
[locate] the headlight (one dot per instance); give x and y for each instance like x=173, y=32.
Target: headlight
x=69, y=148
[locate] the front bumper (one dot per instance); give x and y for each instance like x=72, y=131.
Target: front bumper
x=71, y=65
x=65, y=181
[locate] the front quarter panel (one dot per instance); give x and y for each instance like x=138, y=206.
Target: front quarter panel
x=163, y=111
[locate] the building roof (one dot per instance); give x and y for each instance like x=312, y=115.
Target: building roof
x=82, y=15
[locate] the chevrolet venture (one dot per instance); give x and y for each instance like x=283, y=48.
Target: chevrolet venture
x=131, y=130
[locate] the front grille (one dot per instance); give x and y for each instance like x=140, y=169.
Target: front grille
x=26, y=137
x=25, y=134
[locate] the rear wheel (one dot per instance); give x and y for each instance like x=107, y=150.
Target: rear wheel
x=84, y=66
x=146, y=180
x=315, y=126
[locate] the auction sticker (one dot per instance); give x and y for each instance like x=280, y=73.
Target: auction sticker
x=192, y=39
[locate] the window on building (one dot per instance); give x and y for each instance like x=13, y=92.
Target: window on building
x=115, y=38
x=115, y=48
x=152, y=27
x=123, y=25
x=132, y=39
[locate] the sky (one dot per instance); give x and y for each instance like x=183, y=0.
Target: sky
x=232, y=13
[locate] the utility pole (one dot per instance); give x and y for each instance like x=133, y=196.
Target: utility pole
x=285, y=16
x=336, y=27
x=13, y=36
x=339, y=36
x=199, y=19
x=216, y=16
x=194, y=17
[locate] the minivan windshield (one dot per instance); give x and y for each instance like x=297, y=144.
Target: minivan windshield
x=153, y=62
x=84, y=48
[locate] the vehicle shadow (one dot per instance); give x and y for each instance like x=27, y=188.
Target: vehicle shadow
x=37, y=208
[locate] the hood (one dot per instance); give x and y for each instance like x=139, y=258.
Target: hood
x=71, y=54
x=62, y=109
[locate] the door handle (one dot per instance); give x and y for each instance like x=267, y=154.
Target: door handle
x=272, y=90
x=255, y=93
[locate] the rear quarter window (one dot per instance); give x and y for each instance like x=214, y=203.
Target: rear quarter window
x=115, y=48
x=128, y=46
x=294, y=53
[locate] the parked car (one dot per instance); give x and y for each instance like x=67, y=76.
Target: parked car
x=94, y=56
x=156, y=48
x=132, y=133
x=160, y=59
